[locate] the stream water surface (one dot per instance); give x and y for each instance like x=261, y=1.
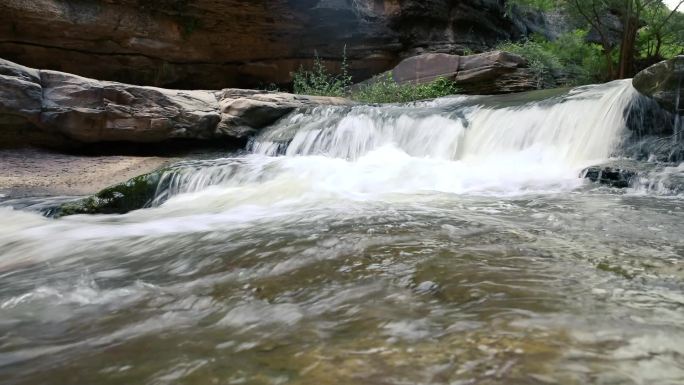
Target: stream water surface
x=443, y=242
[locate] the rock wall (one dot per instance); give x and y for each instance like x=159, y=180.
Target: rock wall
x=191, y=44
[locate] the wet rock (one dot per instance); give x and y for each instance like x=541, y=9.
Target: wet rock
x=87, y=111
x=203, y=44
x=134, y=194
x=611, y=176
x=664, y=179
x=244, y=111
x=657, y=178
x=493, y=72
x=663, y=82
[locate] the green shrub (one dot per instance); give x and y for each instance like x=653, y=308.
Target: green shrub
x=582, y=62
x=569, y=56
x=386, y=90
x=319, y=82
x=542, y=61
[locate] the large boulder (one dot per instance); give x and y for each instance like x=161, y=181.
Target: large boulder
x=243, y=112
x=87, y=111
x=21, y=92
x=494, y=72
x=664, y=82
x=91, y=111
x=209, y=44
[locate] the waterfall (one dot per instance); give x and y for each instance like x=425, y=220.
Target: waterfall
x=508, y=144
x=576, y=128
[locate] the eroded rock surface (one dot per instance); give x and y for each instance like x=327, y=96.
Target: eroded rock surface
x=87, y=110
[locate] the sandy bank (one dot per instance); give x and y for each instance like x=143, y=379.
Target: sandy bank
x=34, y=172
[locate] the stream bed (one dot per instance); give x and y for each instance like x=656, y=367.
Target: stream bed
x=378, y=245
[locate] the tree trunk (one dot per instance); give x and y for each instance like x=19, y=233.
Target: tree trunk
x=608, y=55
x=627, y=48
x=659, y=43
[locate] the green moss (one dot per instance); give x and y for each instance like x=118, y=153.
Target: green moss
x=131, y=195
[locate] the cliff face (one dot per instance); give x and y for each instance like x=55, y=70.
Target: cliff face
x=238, y=43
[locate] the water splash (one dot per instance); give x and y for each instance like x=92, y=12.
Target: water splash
x=581, y=126
x=498, y=145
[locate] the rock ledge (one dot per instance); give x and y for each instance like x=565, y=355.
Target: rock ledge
x=84, y=110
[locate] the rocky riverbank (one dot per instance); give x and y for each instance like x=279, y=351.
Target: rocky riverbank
x=62, y=109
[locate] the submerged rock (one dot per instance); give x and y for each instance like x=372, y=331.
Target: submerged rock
x=663, y=82
x=658, y=178
x=87, y=111
x=611, y=176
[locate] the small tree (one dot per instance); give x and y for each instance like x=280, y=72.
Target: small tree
x=634, y=16
x=663, y=34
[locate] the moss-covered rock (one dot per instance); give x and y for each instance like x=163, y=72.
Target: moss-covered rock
x=136, y=193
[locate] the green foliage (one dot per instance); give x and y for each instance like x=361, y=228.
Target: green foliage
x=650, y=30
x=386, y=90
x=581, y=61
x=467, y=51
x=541, y=60
x=569, y=57
x=318, y=81
x=545, y=5
x=663, y=33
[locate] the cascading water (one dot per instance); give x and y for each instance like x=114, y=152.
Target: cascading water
x=443, y=242
x=453, y=145
x=578, y=127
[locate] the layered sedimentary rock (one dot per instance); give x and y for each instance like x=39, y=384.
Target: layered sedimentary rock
x=85, y=110
x=208, y=44
x=493, y=72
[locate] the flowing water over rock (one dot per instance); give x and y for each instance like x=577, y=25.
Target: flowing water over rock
x=446, y=242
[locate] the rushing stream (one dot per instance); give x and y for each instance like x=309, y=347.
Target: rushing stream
x=442, y=242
